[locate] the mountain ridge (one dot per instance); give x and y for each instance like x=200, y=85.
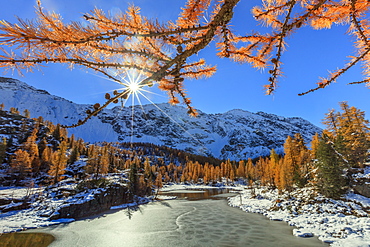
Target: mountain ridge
x=236, y=134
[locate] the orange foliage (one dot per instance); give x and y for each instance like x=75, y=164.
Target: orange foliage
x=162, y=52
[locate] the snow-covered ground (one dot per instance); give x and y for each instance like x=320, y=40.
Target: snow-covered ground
x=339, y=222
x=343, y=222
x=37, y=215
x=43, y=204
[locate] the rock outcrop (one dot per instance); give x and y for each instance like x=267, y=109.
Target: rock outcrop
x=112, y=196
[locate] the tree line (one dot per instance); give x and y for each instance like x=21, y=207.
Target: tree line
x=50, y=155
x=325, y=164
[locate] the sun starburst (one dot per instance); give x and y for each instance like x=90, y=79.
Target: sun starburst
x=134, y=88
x=133, y=82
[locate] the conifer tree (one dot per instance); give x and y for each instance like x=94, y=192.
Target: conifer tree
x=133, y=178
x=144, y=186
x=27, y=113
x=330, y=177
x=81, y=147
x=207, y=173
x=353, y=128
x=314, y=145
x=147, y=170
x=59, y=133
x=2, y=150
x=281, y=180
x=75, y=155
x=295, y=170
x=195, y=173
x=249, y=171
x=33, y=150
x=71, y=141
x=36, y=165
x=98, y=160
x=241, y=170
x=39, y=120
x=212, y=173
x=288, y=169
x=302, y=160
x=232, y=173
x=92, y=159
x=21, y=164
x=158, y=182
x=41, y=146
x=58, y=163
x=218, y=174
x=46, y=158
x=103, y=162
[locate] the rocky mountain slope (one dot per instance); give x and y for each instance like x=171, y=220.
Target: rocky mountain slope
x=236, y=134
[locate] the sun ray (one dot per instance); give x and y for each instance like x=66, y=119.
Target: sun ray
x=156, y=94
x=141, y=105
x=132, y=120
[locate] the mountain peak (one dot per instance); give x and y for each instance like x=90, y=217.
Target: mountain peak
x=10, y=83
x=236, y=134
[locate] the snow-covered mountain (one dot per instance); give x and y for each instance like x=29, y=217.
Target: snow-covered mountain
x=14, y=93
x=236, y=134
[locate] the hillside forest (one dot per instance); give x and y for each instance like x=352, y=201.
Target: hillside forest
x=38, y=152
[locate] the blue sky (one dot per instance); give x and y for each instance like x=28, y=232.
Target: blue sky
x=310, y=54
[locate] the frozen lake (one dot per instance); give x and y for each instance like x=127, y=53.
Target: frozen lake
x=181, y=222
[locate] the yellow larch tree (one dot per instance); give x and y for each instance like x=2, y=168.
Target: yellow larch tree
x=259, y=170
x=281, y=181
x=240, y=172
x=207, y=173
x=158, y=181
x=32, y=148
x=46, y=158
x=302, y=159
x=287, y=172
x=249, y=171
x=218, y=176
x=314, y=145
x=3, y=145
x=21, y=164
x=355, y=130
x=58, y=163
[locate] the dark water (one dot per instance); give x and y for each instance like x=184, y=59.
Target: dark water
x=194, y=195
x=194, y=221
x=23, y=239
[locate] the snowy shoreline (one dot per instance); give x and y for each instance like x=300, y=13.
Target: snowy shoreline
x=43, y=206
x=337, y=222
